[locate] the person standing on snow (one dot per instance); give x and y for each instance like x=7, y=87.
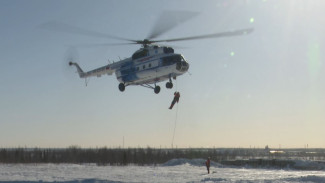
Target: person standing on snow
x=176, y=99
x=207, y=164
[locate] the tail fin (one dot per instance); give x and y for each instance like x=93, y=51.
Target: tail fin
x=80, y=71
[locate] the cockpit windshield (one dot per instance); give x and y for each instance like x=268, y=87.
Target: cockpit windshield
x=172, y=60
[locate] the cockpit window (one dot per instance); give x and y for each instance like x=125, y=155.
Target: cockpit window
x=172, y=60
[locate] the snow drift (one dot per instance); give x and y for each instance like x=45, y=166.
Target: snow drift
x=259, y=163
x=192, y=162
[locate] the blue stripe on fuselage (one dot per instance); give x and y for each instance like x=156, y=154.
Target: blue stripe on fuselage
x=136, y=72
x=128, y=72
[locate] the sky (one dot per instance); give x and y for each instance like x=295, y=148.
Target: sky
x=265, y=88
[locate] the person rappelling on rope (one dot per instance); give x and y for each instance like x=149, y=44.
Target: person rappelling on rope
x=176, y=99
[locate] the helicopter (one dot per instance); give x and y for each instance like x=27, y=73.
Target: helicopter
x=147, y=66
x=152, y=63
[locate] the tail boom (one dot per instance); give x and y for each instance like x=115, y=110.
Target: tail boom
x=96, y=72
x=80, y=71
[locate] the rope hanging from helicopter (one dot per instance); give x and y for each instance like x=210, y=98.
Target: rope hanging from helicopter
x=175, y=121
x=87, y=81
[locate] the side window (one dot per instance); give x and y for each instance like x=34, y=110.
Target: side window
x=150, y=65
x=137, y=68
x=168, y=50
x=144, y=66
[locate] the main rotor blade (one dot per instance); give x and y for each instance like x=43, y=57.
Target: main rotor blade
x=216, y=35
x=169, y=20
x=62, y=27
x=102, y=44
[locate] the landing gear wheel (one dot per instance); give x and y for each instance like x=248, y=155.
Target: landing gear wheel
x=157, y=89
x=121, y=86
x=169, y=85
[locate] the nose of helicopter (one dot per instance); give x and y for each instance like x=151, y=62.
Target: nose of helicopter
x=182, y=66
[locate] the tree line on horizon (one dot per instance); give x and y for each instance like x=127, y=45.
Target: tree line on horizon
x=141, y=156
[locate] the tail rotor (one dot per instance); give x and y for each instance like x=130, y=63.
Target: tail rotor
x=71, y=56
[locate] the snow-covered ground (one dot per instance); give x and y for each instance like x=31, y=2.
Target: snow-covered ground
x=178, y=170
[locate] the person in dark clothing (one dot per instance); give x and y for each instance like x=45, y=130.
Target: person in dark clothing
x=207, y=164
x=176, y=99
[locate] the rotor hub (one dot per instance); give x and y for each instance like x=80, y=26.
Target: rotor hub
x=145, y=42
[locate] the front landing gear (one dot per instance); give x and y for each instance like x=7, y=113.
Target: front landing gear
x=121, y=86
x=157, y=89
x=169, y=84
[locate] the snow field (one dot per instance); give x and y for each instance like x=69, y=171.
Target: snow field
x=178, y=170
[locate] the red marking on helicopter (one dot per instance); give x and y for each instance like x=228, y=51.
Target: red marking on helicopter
x=145, y=59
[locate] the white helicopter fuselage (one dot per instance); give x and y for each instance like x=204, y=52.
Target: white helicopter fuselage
x=148, y=65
